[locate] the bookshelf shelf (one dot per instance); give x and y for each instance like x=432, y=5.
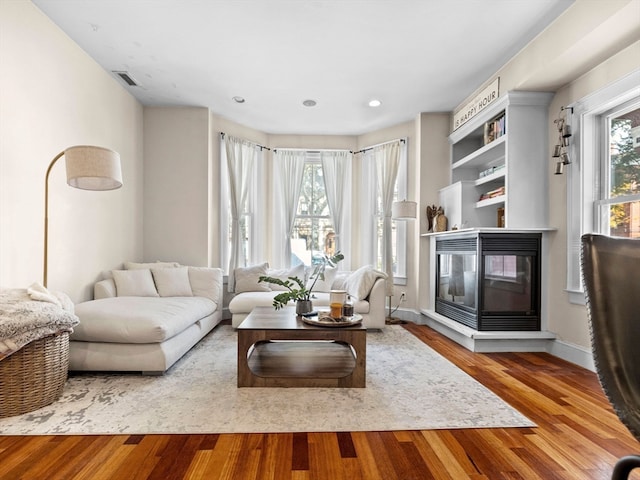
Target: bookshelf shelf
x=491, y=201
x=494, y=177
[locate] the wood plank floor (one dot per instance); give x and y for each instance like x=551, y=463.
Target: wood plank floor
x=578, y=437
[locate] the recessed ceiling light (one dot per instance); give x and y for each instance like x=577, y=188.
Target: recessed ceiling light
x=309, y=103
x=238, y=99
x=375, y=103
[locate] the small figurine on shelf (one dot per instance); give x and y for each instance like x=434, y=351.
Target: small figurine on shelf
x=432, y=211
x=440, y=221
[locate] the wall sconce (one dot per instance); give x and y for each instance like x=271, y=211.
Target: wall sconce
x=564, y=133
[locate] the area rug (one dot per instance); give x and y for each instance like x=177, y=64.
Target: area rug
x=409, y=387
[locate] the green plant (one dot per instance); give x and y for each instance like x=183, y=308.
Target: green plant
x=296, y=289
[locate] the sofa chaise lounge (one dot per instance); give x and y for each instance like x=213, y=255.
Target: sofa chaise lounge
x=145, y=318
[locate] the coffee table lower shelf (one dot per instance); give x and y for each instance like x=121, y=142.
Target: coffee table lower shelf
x=304, y=363
x=277, y=349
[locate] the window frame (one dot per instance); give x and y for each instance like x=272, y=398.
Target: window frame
x=584, y=175
x=603, y=200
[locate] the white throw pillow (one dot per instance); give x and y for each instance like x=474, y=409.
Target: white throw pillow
x=134, y=283
x=326, y=284
x=360, y=282
x=247, y=279
x=206, y=282
x=149, y=265
x=172, y=282
x=284, y=274
x=339, y=281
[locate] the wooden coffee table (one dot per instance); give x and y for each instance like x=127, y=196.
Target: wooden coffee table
x=277, y=349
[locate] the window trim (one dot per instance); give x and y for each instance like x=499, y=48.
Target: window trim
x=583, y=179
x=400, y=278
x=602, y=197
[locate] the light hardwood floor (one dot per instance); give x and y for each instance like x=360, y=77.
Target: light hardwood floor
x=578, y=437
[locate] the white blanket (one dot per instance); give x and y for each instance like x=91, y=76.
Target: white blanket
x=30, y=314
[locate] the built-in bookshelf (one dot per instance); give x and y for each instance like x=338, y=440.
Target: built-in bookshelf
x=499, y=163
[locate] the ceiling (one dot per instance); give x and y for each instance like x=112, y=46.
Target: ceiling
x=412, y=55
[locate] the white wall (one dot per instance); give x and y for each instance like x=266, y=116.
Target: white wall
x=55, y=96
x=434, y=173
x=176, y=185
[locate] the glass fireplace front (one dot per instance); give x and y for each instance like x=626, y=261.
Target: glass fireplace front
x=489, y=282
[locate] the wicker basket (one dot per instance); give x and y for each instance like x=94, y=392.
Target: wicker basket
x=34, y=376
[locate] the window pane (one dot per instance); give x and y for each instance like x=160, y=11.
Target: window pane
x=313, y=233
x=624, y=219
x=313, y=200
x=624, y=148
x=394, y=246
x=320, y=206
x=621, y=217
x=311, y=238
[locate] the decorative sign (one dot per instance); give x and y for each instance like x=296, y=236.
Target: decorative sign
x=475, y=106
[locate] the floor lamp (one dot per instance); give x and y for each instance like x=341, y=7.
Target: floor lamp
x=402, y=210
x=88, y=168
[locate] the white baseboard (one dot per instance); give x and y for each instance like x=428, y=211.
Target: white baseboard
x=575, y=354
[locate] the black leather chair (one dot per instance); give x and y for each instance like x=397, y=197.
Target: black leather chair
x=611, y=277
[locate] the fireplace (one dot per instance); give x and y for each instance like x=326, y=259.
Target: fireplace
x=489, y=281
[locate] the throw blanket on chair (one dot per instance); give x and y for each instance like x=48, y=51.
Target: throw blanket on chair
x=30, y=314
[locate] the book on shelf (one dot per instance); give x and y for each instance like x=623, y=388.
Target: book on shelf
x=493, y=193
x=500, y=219
x=490, y=170
x=495, y=128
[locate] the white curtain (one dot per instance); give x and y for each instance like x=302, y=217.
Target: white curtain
x=367, y=211
x=241, y=158
x=289, y=168
x=387, y=160
x=336, y=167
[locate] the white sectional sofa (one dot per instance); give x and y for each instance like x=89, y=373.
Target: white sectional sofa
x=145, y=317
x=365, y=285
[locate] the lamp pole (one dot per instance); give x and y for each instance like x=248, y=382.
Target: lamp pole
x=46, y=216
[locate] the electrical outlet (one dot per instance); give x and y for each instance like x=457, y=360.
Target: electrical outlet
x=403, y=296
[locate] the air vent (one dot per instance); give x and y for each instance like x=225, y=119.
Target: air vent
x=126, y=78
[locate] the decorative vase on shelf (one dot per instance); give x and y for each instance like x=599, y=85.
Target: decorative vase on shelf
x=436, y=220
x=303, y=306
